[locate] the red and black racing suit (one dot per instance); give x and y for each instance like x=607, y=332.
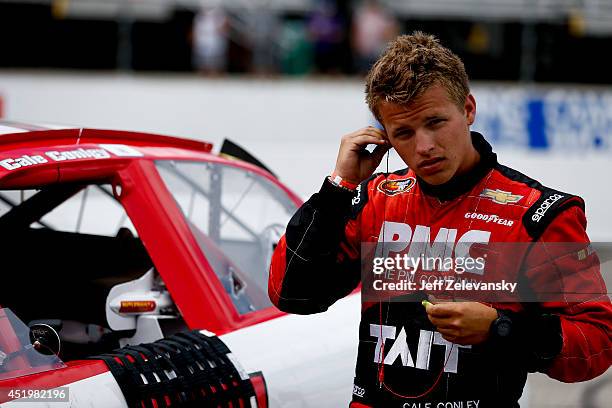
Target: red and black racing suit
x=318, y=262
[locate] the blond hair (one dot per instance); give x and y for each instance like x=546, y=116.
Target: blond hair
x=409, y=66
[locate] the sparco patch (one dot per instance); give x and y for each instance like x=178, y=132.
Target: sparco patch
x=546, y=208
x=541, y=211
x=393, y=187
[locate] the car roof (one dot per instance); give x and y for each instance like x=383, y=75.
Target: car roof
x=20, y=135
x=34, y=154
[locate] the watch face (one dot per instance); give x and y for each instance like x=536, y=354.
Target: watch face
x=503, y=328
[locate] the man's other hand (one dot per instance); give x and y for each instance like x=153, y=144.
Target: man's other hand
x=355, y=163
x=462, y=322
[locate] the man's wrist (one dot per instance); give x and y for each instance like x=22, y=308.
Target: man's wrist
x=502, y=326
x=537, y=337
x=341, y=182
x=335, y=199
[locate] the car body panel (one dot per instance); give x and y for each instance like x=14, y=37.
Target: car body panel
x=308, y=360
x=99, y=390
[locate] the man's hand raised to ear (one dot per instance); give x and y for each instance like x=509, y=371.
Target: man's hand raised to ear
x=354, y=163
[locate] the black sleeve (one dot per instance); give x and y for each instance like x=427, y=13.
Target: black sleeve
x=317, y=272
x=535, y=339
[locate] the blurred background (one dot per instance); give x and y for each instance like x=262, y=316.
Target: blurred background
x=529, y=40
x=284, y=79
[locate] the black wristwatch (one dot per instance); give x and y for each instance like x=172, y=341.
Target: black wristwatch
x=533, y=338
x=501, y=328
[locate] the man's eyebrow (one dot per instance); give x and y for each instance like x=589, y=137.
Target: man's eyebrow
x=402, y=128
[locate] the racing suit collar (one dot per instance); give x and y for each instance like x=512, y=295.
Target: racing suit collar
x=462, y=184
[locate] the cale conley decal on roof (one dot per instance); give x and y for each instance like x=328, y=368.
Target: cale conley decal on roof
x=104, y=152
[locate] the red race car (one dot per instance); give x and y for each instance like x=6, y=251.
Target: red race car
x=135, y=273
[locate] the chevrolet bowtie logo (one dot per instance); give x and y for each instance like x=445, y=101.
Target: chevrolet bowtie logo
x=500, y=197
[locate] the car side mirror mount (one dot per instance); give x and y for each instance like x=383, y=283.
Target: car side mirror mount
x=45, y=339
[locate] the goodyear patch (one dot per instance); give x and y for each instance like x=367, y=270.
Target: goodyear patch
x=394, y=187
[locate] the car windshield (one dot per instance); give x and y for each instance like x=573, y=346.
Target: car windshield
x=237, y=218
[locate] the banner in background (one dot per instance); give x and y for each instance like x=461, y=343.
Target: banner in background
x=553, y=119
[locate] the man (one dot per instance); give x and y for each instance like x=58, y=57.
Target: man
x=453, y=194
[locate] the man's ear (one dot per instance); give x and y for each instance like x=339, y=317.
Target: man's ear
x=382, y=127
x=470, y=109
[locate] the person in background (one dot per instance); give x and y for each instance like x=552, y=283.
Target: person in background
x=326, y=31
x=264, y=35
x=210, y=41
x=373, y=27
